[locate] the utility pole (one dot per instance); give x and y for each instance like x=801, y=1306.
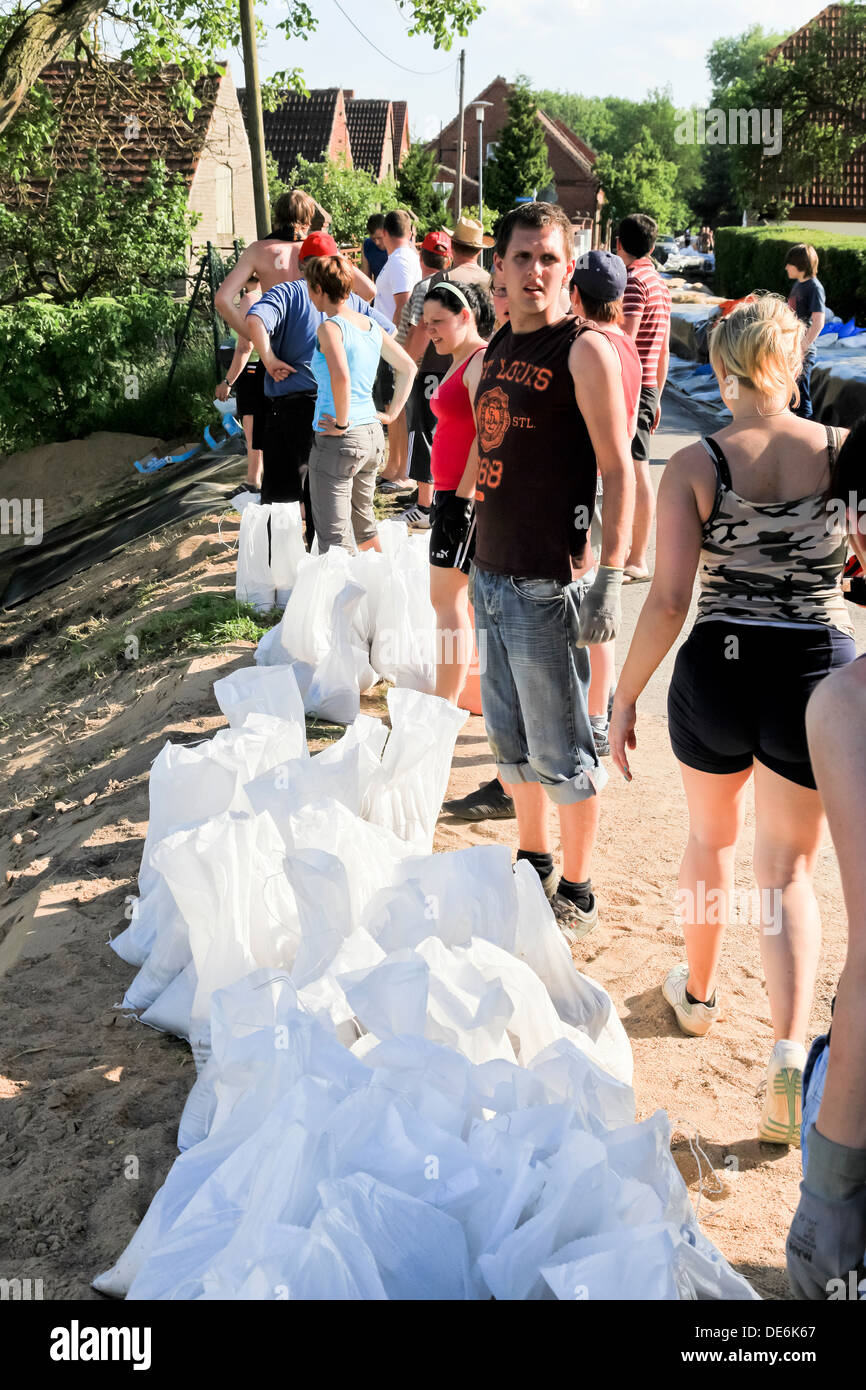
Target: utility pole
x=255, y=124
x=460, y=137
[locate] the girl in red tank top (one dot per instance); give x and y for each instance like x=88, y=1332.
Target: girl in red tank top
x=456, y=316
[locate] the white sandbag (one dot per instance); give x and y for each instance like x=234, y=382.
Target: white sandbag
x=260, y=690
x=625, y=1265
x=254, y=583
x=287, y=548
x=368, y=853
x=403, y=649
x=407, y=794
x=455, y=896
x=344, y=671
x=269, y=651
x=242, y=500
x=170, y=1011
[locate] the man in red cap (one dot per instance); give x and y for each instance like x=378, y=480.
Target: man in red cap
x=282, y=327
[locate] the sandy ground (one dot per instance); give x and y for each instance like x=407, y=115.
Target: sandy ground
x=90, y=1101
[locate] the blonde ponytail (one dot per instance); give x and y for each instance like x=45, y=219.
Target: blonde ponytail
x=760, y=344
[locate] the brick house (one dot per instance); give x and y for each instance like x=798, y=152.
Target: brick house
x=841, y=205
x=577, y=189
x=129, y=123
x=401, y=132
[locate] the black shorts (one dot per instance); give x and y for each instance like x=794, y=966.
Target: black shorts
x=739, y=692
x=452, y=532
x=422, y=423
x=648, y=404
x=250, y=389
x=288, y=439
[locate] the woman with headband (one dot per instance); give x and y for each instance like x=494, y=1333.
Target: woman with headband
x=458, y=318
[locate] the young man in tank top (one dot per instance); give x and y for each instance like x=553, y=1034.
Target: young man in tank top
x=549, y=407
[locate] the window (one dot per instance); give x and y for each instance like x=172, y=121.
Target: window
x=225, y=222
x=492, y=147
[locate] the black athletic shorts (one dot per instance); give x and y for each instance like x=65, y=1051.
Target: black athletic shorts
x=422, y=423
x=250, y=395
x=648, y=404
x=452, y=532
x=288, y=439
x=739, y=692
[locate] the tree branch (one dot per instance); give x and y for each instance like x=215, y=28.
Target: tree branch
x=36, y=42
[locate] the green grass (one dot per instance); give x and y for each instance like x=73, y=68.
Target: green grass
x=207, y=621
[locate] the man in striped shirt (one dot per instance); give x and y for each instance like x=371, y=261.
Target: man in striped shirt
x=647, y=318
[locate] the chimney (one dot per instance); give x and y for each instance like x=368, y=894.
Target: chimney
x=349, y=94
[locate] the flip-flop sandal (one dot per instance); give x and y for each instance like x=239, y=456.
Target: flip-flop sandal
x=632, y=577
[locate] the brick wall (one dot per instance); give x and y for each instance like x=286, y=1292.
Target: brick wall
x=226, y=145
x=339, y=146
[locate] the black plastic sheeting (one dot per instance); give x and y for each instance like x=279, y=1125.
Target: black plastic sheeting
x=186, y=491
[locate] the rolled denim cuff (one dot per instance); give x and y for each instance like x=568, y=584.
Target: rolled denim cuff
x=835, y=1171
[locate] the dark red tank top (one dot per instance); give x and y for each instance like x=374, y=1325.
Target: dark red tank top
x=455, y=429
x=537, y=472
x=632, y=372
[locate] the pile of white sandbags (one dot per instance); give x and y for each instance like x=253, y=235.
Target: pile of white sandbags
x=351, y=620
x=405, y=1088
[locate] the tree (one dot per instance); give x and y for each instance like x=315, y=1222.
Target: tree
x=191, y=33
x=415, y=190
x=819, y=96
x=349, y=195
x=729, y=61
x=642, y=180
x=519, y=168
x=90, y=237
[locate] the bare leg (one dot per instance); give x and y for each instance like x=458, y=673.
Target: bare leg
x=254, y=456
x=716, y=813
x=449, y=594
x=425, y=494
x=644, y=511
x=398, y=449
x=836, y=724
x=531, y=804
x=602, y=659
x=578, y=826
x=790, y=826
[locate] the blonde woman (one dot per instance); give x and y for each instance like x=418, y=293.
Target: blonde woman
x=747, y=511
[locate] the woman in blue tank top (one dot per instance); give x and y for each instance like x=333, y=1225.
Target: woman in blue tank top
x=349, y=443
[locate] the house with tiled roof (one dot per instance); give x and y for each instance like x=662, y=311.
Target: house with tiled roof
x=130, y=123
x=840, y=204
x=371, y=134
x=312, y=127
x=578, y=190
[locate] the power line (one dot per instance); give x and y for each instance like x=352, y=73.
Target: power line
x=415, y=71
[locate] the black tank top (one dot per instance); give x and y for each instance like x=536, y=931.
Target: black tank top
x=537, y=472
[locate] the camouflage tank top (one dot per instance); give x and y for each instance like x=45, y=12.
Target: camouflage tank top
x=772, y=562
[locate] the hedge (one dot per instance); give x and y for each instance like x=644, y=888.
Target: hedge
x=68, y=370
x=753, y=258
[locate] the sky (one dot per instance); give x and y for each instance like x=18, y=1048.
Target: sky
x=596, y=47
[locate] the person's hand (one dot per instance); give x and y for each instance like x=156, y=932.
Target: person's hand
x=655, y=423
x=222, y=391
x=621, y=734
x=827, y=1240
x=601, y=608
x=277, y=369
x=326, y=424
x=384, y=418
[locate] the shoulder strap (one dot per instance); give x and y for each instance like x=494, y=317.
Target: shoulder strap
x=832, y=444
x=723, y=472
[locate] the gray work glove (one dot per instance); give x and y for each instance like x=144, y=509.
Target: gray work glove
x=827, y=1239
x=600, y=608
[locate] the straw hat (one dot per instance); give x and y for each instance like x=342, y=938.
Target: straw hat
x=469, y=232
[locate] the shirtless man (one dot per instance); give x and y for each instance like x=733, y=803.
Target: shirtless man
x=274, y=258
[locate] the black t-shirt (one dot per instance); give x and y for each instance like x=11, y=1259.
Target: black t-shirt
x=535, y=492
x=807, y=298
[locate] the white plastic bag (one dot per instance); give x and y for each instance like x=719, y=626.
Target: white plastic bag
x=287, y=548
x=254, y=583
x=407, y=794
x=260, y=690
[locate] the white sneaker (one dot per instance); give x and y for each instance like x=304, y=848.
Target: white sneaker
x=783, y=1094
x=694, y=1019
x=415, y=518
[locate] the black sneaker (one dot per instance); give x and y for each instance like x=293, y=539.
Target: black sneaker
x=490, y=802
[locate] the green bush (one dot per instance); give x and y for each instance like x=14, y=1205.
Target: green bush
x=753, y=258
x=66, y=370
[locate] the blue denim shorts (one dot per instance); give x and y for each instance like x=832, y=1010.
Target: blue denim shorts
x=534, y=683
